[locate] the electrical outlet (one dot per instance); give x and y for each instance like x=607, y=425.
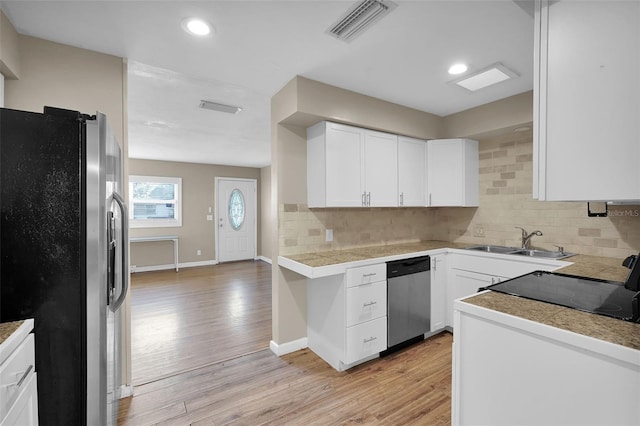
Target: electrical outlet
x=199, y=252
x=329, y=235
x=478, y=230
x=209, y=217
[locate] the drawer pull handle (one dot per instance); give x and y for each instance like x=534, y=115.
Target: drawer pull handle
x=366, y=305
x=369, y=275
x=22, y=379
x=371, y=339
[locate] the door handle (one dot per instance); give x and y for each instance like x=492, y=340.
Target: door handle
x=125, y=250
x=402, y=198
x=369, y=199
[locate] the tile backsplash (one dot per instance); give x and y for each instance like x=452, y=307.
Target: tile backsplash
x=506, y=175
x=302, y=230
x=505, y=166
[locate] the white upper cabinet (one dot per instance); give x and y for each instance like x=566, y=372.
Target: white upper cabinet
x=380, y=169
x=334, y=165
x=587, y=101
x=351, y=167
x=452, y=173
x=412, y=172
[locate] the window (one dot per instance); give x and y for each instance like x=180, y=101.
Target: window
x=155, y=201
x=236, y=209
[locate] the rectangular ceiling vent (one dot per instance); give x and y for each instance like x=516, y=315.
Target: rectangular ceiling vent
x=359, y=18
x=214, y=106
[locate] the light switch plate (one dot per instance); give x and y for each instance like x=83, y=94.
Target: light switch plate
x=329, y=235
x=209, y=217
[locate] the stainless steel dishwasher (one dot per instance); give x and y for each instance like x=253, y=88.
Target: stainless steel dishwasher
x=408, y=301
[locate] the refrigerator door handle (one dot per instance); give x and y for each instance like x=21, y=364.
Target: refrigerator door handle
x=125, y=247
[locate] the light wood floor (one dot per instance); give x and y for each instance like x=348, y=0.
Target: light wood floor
x=412, y=387
x=172, y=338
x=198, y=316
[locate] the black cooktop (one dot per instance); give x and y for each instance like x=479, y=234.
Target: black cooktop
x=601, y=297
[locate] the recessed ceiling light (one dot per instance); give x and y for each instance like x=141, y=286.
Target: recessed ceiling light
x=195, y=26
x=485, y=77
x=456, y=69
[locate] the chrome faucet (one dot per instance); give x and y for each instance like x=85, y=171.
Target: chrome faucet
x=526, y=237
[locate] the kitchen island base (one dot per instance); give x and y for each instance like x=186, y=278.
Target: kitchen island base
x=509, y=370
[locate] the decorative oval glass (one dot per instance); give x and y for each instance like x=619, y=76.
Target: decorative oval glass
x=236, y=209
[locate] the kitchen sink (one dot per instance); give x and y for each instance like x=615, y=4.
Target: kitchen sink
x=493, y=249
x=545, y=254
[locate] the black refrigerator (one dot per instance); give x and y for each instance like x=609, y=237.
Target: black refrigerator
x=63, y=256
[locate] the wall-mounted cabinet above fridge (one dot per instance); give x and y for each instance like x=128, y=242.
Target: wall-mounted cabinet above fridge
x=587, y=101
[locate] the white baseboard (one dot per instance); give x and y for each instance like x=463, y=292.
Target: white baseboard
x=126, y=391
x=288, y=347
x=149, y=268
x=264, y=259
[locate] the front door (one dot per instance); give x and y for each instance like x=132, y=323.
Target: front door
x=236, y=219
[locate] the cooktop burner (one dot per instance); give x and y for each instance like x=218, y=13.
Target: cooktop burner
x=602, y=297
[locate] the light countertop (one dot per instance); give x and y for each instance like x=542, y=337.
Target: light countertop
x=597, y=326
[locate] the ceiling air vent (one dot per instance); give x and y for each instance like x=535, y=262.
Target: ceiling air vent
x=359, y=18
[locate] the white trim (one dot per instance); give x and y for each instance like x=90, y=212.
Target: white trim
x=264, y=259
x=288, y=347
x=126, y=391
x=149, y=268
x=255, y=212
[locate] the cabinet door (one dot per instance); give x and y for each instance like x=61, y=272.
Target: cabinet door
x=452, y=172
x=438, y=291
x=411, y=172
x=466, y=283
x=587, y=101
x=344, y=165
x=381, y=169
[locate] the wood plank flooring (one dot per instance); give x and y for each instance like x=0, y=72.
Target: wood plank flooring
x=410, y=387
x=198, y=316
x=199, y=358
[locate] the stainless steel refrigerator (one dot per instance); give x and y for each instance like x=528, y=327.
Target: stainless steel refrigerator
x=63, y=252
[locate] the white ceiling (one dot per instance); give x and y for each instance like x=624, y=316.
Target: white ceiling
x=259, y=46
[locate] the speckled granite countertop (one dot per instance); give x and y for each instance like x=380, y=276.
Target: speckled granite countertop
x=8, y=328
x=597, y=326
x=335, y=257
x=11, y=335
x=592, y=325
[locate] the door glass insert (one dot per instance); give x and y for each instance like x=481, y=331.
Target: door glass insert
x=236, y=209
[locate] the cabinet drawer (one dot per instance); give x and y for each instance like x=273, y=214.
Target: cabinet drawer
x=14, y=373
x=366, y=274
x=365, y=339
x=25, y=410
x=366, y=302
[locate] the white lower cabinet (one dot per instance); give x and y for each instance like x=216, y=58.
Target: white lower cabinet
x=470, y=271
x=347, y=315
x=24, y=411
x=511, y=371
x=18, y=379
x=364, y=340
x=366, y=302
